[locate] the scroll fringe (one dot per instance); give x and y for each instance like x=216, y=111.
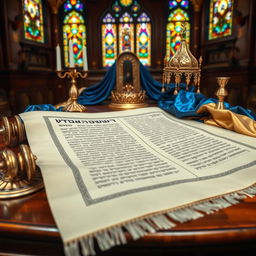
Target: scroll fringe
x=114, y=236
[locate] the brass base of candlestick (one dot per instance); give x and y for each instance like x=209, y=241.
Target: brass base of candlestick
x=19, y=175
x=71, y=104
x=21, y=187
x=74, y=107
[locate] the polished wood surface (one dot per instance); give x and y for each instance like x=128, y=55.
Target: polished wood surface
x=27, y=227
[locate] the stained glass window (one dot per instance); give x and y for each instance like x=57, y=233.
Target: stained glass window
x=178, y=14
x=220, y=20
x=126, y=2
x=109, y=44
x=126, y=33
x=33, y=20
x=126, y=27
x=143, y=39
x=74, y=29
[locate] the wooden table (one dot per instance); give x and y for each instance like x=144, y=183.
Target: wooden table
x=27, y=227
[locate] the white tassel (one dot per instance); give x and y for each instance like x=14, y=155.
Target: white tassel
x=121, y=235
x=183, y=215
x=87, y=245
x=234, y=198
x=210, y=207
x=105, y=242
x=251, y=191
x=146, y=226
x=162, y=222
x=220, y=203
x=116, y=236
x=135, y=231
x=72, y=249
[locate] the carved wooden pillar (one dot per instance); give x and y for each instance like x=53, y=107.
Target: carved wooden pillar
x=59, y=89
x=55, y=30
x=55, y=4
x=197, y=4
x=196, y=33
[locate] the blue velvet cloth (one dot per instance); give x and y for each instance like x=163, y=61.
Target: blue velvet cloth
x=185, y=104
x=42, y=107
x=99, y=92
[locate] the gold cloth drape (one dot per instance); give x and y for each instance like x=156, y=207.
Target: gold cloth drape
x=229, y=120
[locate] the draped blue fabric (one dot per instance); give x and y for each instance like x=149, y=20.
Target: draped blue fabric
x=99, y=92
x=150, y=85
x=43, y=107
x=185, y=104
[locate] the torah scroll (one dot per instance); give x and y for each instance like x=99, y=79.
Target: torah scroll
x=133, y=171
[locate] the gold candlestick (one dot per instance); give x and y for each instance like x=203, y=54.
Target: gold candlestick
x=71, y=104
x=221, y=92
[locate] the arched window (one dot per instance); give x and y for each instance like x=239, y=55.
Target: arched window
x=74, y=29
x=220, y=19
x=33, y=20
x=109, y=45
x=178, y=13
x=126, y=26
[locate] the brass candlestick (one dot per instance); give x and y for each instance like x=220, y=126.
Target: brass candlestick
x=221, y=92
x=71, y=104
x=12, y=131
x=18, y=173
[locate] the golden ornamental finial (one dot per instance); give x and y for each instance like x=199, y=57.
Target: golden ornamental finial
x=183, y=30
x=183, y=64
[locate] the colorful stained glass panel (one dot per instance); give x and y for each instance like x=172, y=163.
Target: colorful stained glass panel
x=132, y=32
x=220, y=20
x=178, y=3
x=126, y=2
x=109, y=44
x=173, y=30
x=126, y=17
x=143, y=18
x=109, y=19
x=126, y=37
x=144, y=43
x=33, y=20
x=74, y=29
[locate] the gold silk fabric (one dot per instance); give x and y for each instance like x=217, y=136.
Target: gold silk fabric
x=229, y=120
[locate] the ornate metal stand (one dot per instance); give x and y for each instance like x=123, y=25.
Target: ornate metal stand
x=18, y=173
x=71, y=104
x=128, y=99
x=221, y=92
x=182, y=65
x=12, y=131
x=128, y=93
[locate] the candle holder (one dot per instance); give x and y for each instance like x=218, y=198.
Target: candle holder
x=221, y=92
x=71, y=105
